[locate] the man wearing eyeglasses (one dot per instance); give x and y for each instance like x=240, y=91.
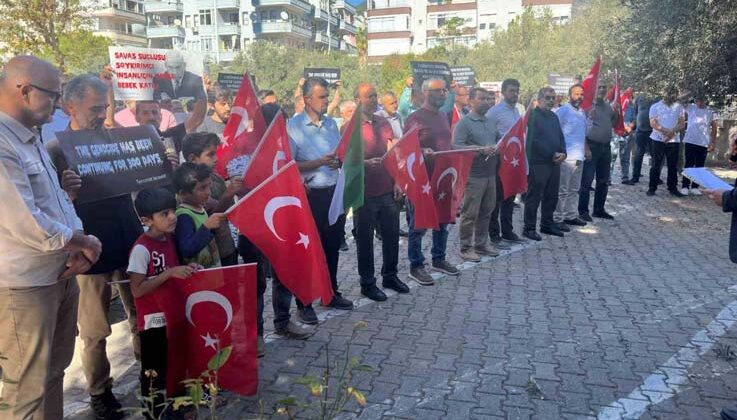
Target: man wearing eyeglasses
x=600, y=122
x=435, y=136
x=43, y=248
x=546, y=149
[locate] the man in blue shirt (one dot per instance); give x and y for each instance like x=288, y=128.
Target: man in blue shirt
x=642, y=132
x=313, y=138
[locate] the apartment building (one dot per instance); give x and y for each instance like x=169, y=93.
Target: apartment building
x=413, y=26
x=123, y=21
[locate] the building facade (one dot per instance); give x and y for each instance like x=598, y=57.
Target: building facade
x=414, y=26
x=123, y=21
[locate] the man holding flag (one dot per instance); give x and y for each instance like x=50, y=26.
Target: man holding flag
x=313, y=139
x=379, y=194
x=475, y=130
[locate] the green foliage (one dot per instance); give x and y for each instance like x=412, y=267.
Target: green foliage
x=83, y=52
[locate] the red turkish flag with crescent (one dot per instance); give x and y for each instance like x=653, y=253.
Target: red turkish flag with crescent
x=271, y=154
x=406, y=164
x=589, y=85
x=454, y=118
x=213, y=309
x=512, y=158
x=449, y=177
x=245, y=127
x=276, y=217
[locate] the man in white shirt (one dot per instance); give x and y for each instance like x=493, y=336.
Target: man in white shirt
x=573, y=122
x=701, y=133
x=667, y=120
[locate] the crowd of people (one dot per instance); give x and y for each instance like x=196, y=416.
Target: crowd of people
x=62, y=259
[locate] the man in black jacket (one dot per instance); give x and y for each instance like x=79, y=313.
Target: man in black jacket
x=546, y=149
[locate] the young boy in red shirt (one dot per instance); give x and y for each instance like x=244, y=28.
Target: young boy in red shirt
x=153, y=261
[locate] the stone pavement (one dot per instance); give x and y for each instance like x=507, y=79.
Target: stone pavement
x=631, y=318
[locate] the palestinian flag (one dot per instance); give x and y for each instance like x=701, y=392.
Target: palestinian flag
x=349, y=188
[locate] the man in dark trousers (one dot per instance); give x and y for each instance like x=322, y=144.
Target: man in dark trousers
x=546, y=149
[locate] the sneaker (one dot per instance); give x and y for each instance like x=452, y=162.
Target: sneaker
x=489, y=251
x=260, y=347
x=585, y=217
x=403, y=233
x=628, y=182
x=294, y=331
x=602, y=215
x=563, y=227
x=339, y=302
x=470, y=255
x=650, y=193
x=374, y=293
x=105, y=406
x=307, y=315
x=575, y=222
x=500, y=244
x=343, y=245
x=513, y=238
x=445, y=267
x=531, y=234
x=685, y=191
x=393, y=282
x=676, y=193
x=421, y=276
x=696, y=191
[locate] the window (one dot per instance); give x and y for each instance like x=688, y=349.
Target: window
x=188, y=21
x=482, y=26
x=206, y=44
x=386, y=24
x=205, y=17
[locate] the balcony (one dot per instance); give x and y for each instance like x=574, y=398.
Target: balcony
x=321, y=14
x=299, y=6
x=218, y=4
x=388, y=4
x=229, y=55
x=341, y=4
x=163, y=7
x=119, y=38
x=322, y=39
x=127, y=15
x=346, y=28
x=229, y=29
x=281, y=27
x=171, y=31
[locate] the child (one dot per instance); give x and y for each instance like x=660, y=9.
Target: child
x=201, y=148
x=194, y=229
x=153, y=261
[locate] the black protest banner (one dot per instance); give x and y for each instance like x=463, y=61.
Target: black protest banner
x=332, y=75
x=560, y=83
x=115, y=162
x=232, y=81
x=464, y=76
x=423, y=70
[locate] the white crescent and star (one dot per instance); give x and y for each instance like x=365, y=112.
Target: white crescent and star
x=448, y=171
x=214, y=297
x=513, y=140
x=426, y=188
x=280, y=155
x=275, y=204
x=243, y=125
x=410, y=163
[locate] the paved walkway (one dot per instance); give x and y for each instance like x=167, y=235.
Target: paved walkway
x=632, y=318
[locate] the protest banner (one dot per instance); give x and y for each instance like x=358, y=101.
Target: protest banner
x=423, y=70
x=464, y=76
x=495, y=87
x=332, y=75
x=560, y=83
x=145, y=74
x=115, y=162
x=232, y=81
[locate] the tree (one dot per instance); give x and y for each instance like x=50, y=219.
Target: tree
x=35, y=26
x=83, y=52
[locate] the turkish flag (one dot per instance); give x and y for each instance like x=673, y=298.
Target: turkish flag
x=271, y=154
x=212, y=310
x=454, y=118
x=589, y=85
x=245, y=127
x=406, y=164
x=276, y=217
x=616, y=104
x=449, y=177
x=626, y=100
x=513, y=161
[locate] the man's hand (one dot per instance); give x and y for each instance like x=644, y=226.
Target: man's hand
x=215, y=220
x=489, y=151
x=106, y=75
x=301, y=82
x=77, y=263
x=715, y=196
x=71, y=182
x=330, y=160
x=91, y=248
x=397, y=193
x=410, y=81
x=338, y=84
x=559, y=157
x=710, y=147
x=207, y=82
x=373, y=161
